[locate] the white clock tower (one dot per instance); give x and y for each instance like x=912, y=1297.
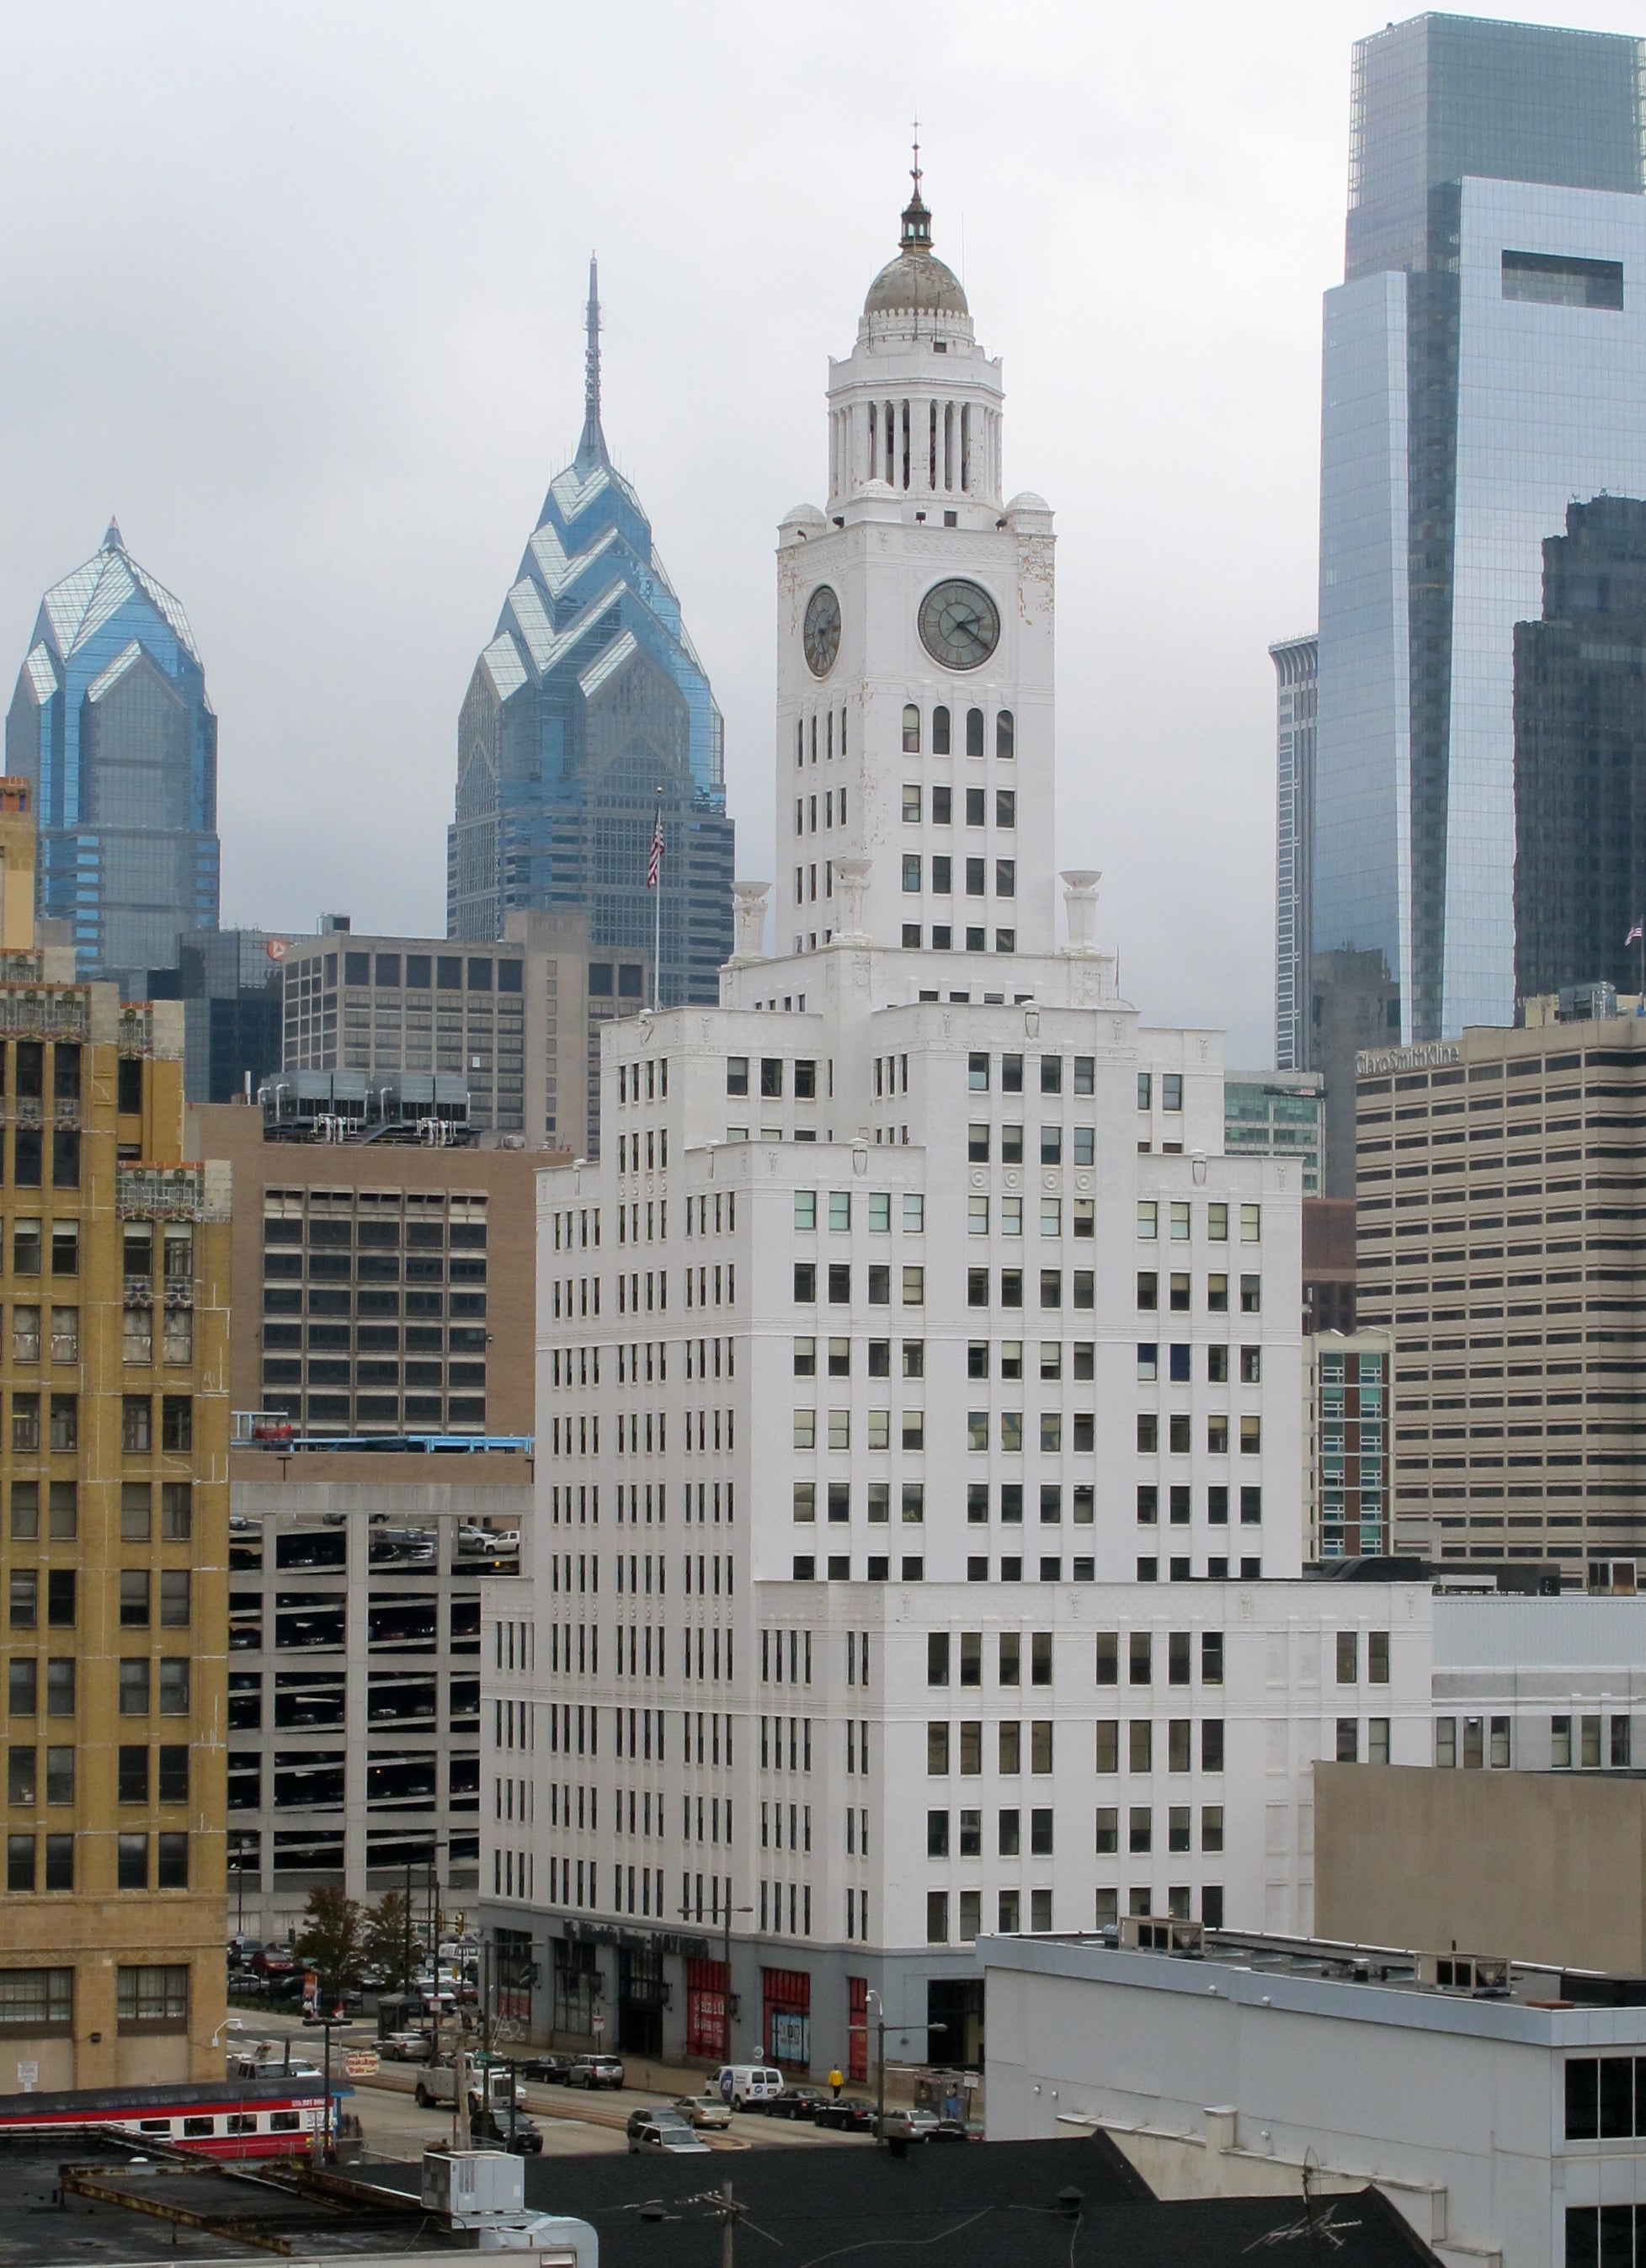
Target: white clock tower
x=915, y=649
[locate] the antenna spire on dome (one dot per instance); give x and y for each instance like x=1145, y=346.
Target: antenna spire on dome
x=917, y=221
x=591, y=450
x=113, y=540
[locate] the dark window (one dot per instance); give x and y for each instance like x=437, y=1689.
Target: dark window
x=357, y=968
x=1553, y=279
x=1617, y=2097
x=448, y=973
x=60, y=1598
x=27, y=1157
x=511, y=975
x=420, y=970
x=129, y=1100
x=134, y=1775
x=628, y=975
x=177, y=1423
x=480, y=973
x=388, y=970
x=132, y=1852
x=65, y=1073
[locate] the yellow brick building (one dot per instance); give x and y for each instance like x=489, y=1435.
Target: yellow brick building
x=113, y=1530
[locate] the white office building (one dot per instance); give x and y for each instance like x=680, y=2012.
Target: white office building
x=919, y=1448
x=1497, y=2113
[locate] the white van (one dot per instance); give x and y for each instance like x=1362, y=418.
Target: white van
x=745, y=2085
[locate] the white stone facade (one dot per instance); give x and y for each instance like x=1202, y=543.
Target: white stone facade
x=912, y=1355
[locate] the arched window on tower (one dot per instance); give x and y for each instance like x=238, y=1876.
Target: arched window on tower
x=965, y=446
x=911, y=730
x=874, y=443
x=949, y=445
x=889, y=473
x=905, y=444
x=940, y=733
x=800, y=740
x=974, y=732
x=1005, y=735
x=931, y=449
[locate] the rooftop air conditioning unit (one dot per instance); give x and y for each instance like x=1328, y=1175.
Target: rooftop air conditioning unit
x=1161, y=1933
x=1463, y=1972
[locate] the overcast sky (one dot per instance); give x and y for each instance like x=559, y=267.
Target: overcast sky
x=297, y=293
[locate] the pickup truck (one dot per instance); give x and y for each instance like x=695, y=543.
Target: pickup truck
x=488, y=2086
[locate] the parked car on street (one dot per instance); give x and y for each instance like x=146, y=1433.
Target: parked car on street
x=745, y=2086
x=797, y=2103
x=706, y=2112
x=908, y=2125
x=661, y=2130
x=847, y=2115
x=596, y=2071
x=521, y=2135
x=546, y=2070
x=405, y=2047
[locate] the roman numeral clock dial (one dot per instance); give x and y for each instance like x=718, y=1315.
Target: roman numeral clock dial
x=960, y=625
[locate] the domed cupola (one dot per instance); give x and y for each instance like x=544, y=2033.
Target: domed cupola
x=916, y=282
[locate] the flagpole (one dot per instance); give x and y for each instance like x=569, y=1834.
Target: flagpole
x=657, y=921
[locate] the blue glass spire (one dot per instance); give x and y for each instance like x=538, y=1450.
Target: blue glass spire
x=587, y=701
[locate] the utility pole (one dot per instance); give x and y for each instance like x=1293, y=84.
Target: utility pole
x=729, y=2227
x=725, y=2028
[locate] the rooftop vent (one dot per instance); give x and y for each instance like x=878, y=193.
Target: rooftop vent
x=1484, y=1974
x=1159, y=1934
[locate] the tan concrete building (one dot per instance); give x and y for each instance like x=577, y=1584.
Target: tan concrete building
x=1545, y=1866
x=379, y=1290
x=519, y=1020
x=1498, y=1177
x=379, y=1287
x=113, y=1472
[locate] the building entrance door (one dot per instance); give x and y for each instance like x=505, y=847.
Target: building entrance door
x=641, y=2000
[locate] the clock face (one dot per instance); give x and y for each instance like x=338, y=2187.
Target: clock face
x=821, y=635
x=960, y=625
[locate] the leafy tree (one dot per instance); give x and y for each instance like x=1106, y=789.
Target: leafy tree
x=391, y=1945
x=329, y=1941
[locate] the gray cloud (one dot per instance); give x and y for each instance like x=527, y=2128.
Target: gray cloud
x=298, y=294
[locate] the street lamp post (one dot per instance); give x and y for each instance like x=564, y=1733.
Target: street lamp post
x=880, y=2057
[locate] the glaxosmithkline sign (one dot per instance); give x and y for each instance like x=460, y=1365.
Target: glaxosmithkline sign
x=1429, y=1056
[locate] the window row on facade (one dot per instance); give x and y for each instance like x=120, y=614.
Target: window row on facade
x=974, y=732
x=36, y=1863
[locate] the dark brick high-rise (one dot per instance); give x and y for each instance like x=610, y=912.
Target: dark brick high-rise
x=1580, y=755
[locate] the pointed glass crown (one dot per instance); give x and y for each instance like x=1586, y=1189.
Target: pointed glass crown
x=916, y=281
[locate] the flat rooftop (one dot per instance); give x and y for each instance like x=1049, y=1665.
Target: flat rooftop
x=1066, y=2204
x=1457, y=1988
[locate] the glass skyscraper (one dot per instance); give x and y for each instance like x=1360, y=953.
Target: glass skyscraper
x=1296, y=669
x=587, y=703
x=1485, y=364
x=111, y=722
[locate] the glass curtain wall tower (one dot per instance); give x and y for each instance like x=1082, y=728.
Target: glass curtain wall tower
x=588, y=714
x=1296, y=669
x=1485, y=363
x=111, y=723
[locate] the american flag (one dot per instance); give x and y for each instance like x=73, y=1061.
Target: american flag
x=654, y=861
x=1636, y=936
